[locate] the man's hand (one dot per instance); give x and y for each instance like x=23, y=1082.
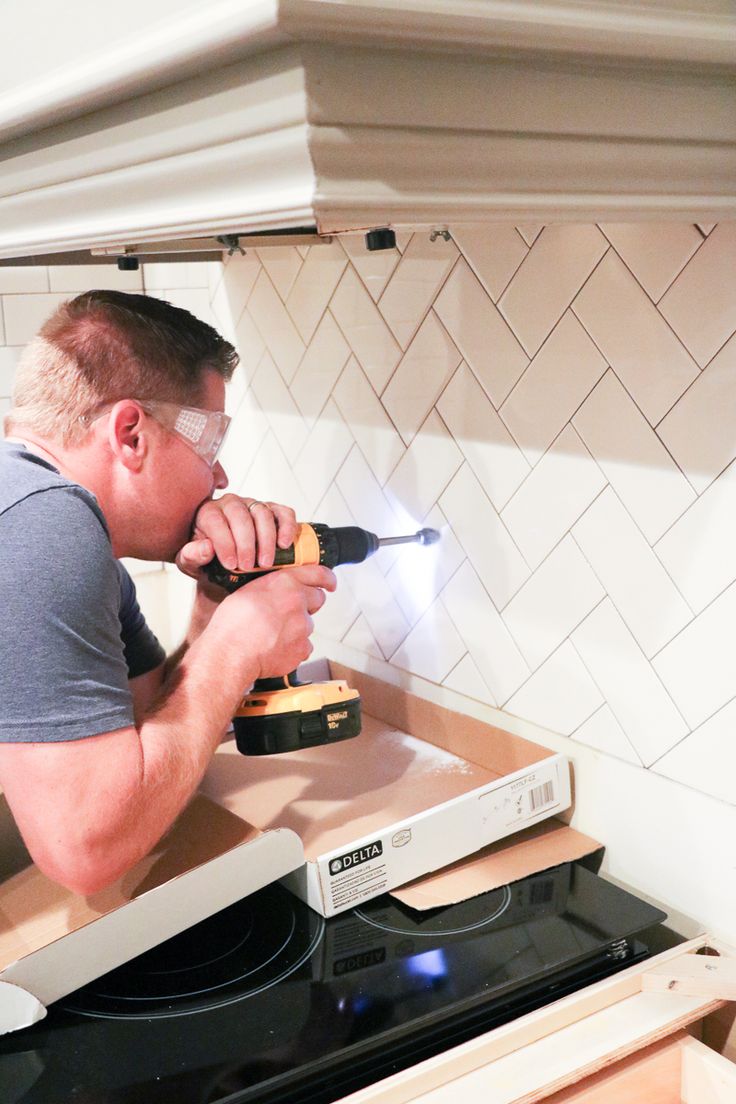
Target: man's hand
x=242, y=532
x=270, y=619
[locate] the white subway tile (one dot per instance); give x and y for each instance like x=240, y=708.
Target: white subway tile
x=465, y=678
x=424, y=370
x=699, y=551
x=560, y=695
x=234, y=290
x=279, y=407
x=638, y=467
x=320, y=368
x=637, y=698
x=374, y=268
x=245, y=437
x=639, y=345
x=415, y=283
x=282, y=263
x=107, y=277
x=484, y=440
x=365, y=330
x=249, y=343
x=706, y=759
x=562, y=373
x=488, y=641
x=484, y=537
x=220, y=307
x=319, y=461
x=172, y=274
x=215, y=274
x=558, y=490
x=550, y=605
x=275, y=327
x=555, y=268
x=24, y=279
x=701, y=304
x=699, y=666
x=370, y=425
x=373, y=594
x=25, y=314
x=700, y=430
x=425, y=469
x=360, y=637
x=271, y=478
x=432, y=648
x=603, y=732
x=493, y=250
x=339, y=613
x=639, y=587
x=654, y=251
x=314, y=286
x=480, y=333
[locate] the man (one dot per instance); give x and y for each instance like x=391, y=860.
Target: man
x=111, y=451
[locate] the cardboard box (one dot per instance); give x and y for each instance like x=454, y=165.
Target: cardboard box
x=420, y=788
x=53, y=941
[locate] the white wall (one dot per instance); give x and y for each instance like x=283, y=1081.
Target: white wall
x=561, y=403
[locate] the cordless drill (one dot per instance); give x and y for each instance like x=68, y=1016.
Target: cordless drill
x=284, y=714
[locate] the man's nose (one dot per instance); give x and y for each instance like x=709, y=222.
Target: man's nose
x=219, y=476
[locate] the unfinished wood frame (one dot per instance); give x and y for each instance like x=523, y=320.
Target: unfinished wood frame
x=613, y=1032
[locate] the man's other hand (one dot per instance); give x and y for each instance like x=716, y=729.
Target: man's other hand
x=242, y=532
x=270, y=620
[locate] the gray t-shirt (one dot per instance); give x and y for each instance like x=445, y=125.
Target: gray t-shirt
x=72, y=631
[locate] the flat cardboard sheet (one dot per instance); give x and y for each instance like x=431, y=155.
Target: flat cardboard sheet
x=338, y=793
x=35, y=911
x=529, y=852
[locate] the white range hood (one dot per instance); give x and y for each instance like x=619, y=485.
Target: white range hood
x=169, y=120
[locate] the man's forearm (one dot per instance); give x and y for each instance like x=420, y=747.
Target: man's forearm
x=206, y=600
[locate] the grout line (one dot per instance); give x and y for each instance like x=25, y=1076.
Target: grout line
x=567, y=306
x=693, y=732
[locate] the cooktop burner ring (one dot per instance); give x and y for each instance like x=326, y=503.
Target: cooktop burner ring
x=141, y=989
x=430, y=932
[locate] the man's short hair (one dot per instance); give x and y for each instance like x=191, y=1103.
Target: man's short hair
x=104, y=346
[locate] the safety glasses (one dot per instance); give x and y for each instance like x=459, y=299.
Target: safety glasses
x=203, y=430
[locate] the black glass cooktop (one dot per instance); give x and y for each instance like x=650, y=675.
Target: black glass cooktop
x=267, y=1002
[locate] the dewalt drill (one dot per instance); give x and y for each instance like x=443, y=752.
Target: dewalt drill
x=284, y=714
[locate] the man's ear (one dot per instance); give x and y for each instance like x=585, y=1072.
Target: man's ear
x=128, y=432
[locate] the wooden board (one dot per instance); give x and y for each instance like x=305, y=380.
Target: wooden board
x=550, y=1049
x=652, y=1075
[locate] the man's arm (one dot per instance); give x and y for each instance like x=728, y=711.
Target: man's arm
x=89, y=809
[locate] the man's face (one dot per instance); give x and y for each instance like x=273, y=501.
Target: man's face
x=183, y=480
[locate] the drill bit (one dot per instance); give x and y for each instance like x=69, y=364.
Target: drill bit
x=422, y=536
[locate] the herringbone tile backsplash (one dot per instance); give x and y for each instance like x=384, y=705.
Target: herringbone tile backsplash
x=560, y=401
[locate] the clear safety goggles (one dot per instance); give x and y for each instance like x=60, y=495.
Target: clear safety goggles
x=203, y=430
